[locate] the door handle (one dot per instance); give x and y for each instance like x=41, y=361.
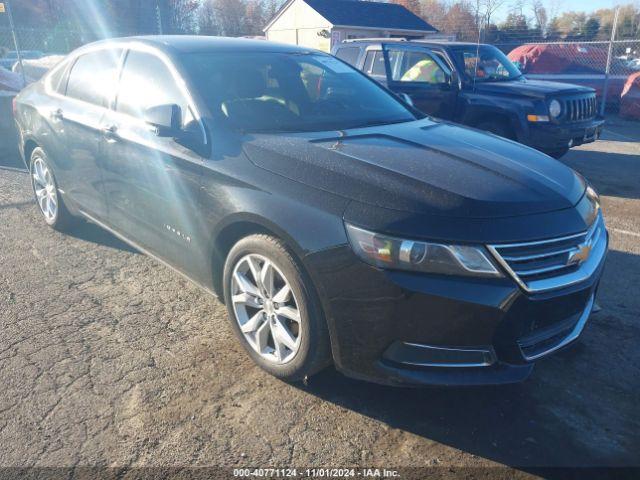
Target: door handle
x=57, y=114
x=110, y=132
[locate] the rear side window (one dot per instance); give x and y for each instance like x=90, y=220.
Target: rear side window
x=374, y=65
x=57, y=79
x=147, y=82
x=93, y=77
x=349, y=55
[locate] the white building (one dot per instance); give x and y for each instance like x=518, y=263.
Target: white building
x=322, y=23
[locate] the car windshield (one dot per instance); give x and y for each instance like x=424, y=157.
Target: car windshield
x=283, y=92
x=486, y=64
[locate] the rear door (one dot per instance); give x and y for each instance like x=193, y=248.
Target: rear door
x=153, y=183
x=374, y=64
x=79, y=118
x=425, y=77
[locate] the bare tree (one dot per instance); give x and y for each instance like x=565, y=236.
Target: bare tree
x=231, y=16
x=255, y=18
x=434, y=12
x=539, y=15
x=207, y=19
x=489, y=7
x=460, y=20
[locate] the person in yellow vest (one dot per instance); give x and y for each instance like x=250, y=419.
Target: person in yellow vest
x=426, y=70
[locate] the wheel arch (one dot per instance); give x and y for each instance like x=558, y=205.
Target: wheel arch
x=476, y=116
x=28, y=147
x=233, y=230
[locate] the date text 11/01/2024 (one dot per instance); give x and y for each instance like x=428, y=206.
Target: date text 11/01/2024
x=316, y=473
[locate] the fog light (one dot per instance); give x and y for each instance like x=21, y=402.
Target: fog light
x=420, y=355
x=570, y=144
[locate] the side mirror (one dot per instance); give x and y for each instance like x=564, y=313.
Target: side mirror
x=406, y=98
x=165, y=119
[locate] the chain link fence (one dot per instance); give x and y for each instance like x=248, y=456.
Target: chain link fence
x=605, y=66
x=48, y=41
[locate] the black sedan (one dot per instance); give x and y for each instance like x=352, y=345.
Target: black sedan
x=337, y=223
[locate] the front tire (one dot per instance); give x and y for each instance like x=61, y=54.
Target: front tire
x=274, y=309
x=47, y=195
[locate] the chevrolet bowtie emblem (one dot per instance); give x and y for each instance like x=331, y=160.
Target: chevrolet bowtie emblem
x=580, y=255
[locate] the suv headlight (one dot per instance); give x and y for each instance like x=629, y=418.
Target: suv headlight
x=555, y=109
x=400, y=254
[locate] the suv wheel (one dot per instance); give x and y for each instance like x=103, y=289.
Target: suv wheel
x=46, y=192
x=274, y=310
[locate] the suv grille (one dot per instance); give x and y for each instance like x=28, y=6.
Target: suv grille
x=580, y=109
x=555, y=263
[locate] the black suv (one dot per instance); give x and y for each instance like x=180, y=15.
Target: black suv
x=477, y=85
x=336, y=222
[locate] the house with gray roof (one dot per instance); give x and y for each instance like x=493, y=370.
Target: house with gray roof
x=322, y=23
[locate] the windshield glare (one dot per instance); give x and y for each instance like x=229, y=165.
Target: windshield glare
x=278, y=92
x=487, y=63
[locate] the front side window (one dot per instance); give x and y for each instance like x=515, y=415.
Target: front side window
x=416, y=66
x=283, y=92
x=147, y=82
x=486, y=63
x=93, y=77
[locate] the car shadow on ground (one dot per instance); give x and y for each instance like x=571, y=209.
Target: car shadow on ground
x=612, y=174
x=90, y=232
x=576, y=409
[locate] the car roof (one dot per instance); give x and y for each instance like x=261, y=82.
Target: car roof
x=203, y=44
x=425, y=42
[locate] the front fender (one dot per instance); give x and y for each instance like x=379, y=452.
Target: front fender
x=514, y=110
x=306, y=219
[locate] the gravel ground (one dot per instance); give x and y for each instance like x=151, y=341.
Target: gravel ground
x=109, y=359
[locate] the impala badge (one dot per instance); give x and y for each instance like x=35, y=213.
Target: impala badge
x=178, y=233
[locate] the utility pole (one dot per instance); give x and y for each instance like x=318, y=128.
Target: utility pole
x=159, y=18
x=608, y=67
x=7, y=3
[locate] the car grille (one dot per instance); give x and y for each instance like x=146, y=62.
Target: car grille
x=580, y=108
x=554, y=263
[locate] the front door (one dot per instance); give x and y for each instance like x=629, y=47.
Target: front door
x=152, y=183
x=423, y=76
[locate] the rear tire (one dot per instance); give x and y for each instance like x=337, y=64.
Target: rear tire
x=497, y=127
x=265, y=289
x=47, y=195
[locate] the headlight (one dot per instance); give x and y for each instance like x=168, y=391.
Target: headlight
x=555, y=109
x=399, y=254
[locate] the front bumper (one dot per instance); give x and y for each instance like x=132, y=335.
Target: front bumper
x=552, y=136
x=404, y=328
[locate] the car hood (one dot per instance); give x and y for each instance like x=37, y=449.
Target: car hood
x=425, y=167
x=531, y=88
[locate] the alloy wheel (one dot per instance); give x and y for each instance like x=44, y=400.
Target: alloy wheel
x=45, y=190
x=266, y=309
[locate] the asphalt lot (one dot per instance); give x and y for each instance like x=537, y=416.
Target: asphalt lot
x=107, y=358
